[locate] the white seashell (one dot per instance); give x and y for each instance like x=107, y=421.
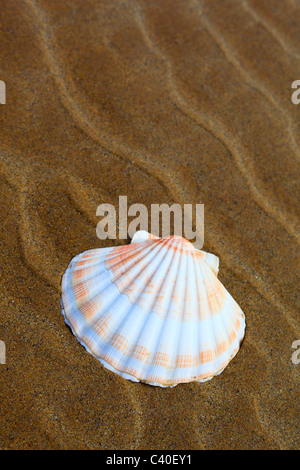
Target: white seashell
x=153, y=311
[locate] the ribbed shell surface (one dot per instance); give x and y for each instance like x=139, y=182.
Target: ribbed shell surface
x=153, y=311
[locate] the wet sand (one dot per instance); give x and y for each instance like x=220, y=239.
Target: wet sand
x=162, y=101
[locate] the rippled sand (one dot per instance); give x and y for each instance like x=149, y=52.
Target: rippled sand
x=162, y=101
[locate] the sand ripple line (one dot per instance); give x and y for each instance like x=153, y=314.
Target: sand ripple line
x=221, y=133
x=19, y=177
x=254, y=83
x=240, y=155
x=32, y=246
x=265, y=289
x=268, y=430
x=200, y=437
x=271, y=30
x=94, y=132
x=147, y=164
x=140, y=420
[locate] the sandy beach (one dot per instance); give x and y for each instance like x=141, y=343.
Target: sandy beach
x=163, y=101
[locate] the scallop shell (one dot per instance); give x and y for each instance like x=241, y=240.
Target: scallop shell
x=153, y=311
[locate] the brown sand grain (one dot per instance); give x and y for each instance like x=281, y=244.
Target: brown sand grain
x=162, y=101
